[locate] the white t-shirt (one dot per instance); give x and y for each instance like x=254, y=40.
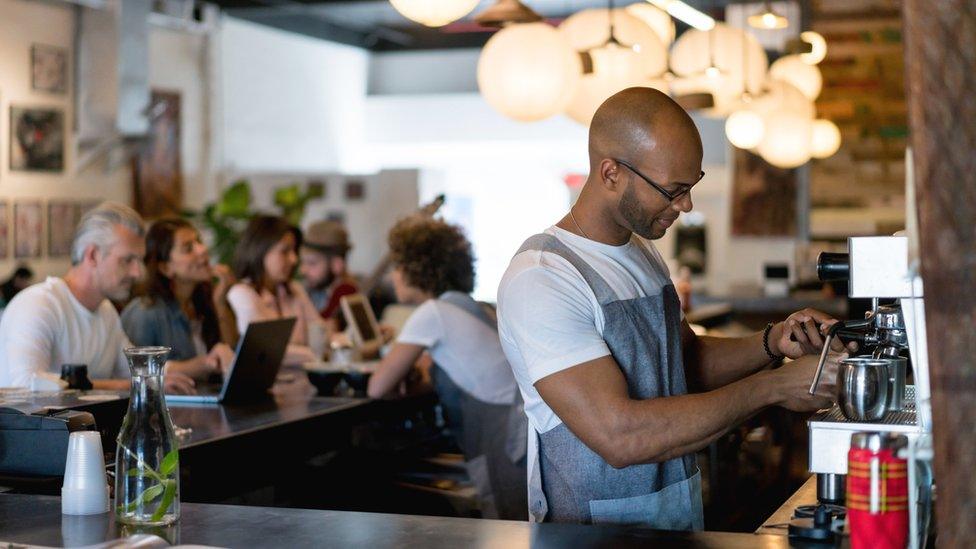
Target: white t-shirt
x=469, y=353
x=550, y=320
x=45, y=326
x=250, y=306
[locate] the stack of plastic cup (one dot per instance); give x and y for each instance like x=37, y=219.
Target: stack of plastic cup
x=85, y=489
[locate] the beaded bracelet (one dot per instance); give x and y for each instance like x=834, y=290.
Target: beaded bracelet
x=769, y=353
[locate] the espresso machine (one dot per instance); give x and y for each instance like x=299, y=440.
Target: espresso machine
x=878, y=268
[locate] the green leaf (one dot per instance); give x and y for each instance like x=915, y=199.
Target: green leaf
x=170, y=462
x=168, y=495
x=134, y=472
x=145, y=497
x=236, y=200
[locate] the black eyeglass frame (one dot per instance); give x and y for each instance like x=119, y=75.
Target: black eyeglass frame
x=670, y=196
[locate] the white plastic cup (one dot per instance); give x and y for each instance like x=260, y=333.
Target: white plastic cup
x=85, y=488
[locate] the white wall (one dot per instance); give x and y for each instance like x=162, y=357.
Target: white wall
x=289, y=103
x=176, y=63
x=24, y=23
x=451, y=71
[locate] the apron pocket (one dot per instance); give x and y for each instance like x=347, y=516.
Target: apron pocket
x=674, y=507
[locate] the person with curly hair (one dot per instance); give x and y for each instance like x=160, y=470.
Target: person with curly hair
x=434, y=269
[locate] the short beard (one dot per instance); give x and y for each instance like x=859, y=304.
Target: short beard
x=640, y=223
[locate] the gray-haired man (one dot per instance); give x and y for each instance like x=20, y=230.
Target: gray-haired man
x=71, y=320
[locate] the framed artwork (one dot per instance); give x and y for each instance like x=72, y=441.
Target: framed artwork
x=157, y=174
x=49, y=68
x=28, y=229
x=36, y=139
x=764, y=197
x=62, y=219
x=355, y=190
x=4, y=229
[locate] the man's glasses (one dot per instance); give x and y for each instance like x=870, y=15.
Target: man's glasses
x=686, y=188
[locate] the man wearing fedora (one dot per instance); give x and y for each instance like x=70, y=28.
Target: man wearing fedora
x=324, y=269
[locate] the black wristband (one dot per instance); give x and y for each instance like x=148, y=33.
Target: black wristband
x=769, y=353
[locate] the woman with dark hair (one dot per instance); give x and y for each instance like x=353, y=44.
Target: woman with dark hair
x=265, y=262
x=18, y=281
x=180, y=307
x=434, y=269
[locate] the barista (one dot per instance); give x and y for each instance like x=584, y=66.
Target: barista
x=619, y=392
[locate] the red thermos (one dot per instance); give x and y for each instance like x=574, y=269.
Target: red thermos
x=877, y=491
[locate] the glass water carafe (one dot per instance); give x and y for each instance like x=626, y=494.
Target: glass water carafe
x=147, y=471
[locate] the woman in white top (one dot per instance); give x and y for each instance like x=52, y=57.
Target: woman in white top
x=265, y=262
x=434, y=269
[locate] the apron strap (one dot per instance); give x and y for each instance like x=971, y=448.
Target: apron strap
x=549, y=243
x=467, y=304
x=654, y=262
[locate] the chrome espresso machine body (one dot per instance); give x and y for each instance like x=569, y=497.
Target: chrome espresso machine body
x=878, y=268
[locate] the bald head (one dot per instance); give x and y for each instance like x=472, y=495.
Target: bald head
x=638, y=122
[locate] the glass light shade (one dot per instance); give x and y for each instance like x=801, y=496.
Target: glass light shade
x=528, y=71
x=434, y=13
x=818, y=47
x=805, y=77
x=768, y=19
x=590, y=29
x=825, y=139
x=745, y=128
x=783, y=97
x=656, y=18
x=613, y=71
x=786, y=141
x=732, y=51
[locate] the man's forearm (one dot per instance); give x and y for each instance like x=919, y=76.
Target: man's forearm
x=718, y=361
x=659, y=429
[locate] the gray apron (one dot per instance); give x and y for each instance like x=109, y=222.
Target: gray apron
x=569, y=482
x=492, y=436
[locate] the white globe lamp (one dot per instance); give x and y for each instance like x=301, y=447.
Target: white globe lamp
x=805, y=77
x=825, y=139
x=434, y=13
x=656, y=18
x=745, y=128
x=786, y=140
x=528, y=71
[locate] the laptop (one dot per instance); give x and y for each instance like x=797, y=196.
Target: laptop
x=255, y=367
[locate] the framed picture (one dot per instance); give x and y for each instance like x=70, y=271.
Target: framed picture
x=36, y=139
x=764, y=198
x=355, y=190
x=28, y=229
x=62, y=218
x=49, y=68
x=4, y=229
x=157, y=174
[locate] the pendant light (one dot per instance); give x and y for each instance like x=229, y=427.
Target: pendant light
x=434, y=13
x=504, y=12
x=528, y=71
x=768, y=19
x=622, y=52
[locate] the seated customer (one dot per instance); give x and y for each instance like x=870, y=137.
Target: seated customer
x=265, y=262
x=434, y=269
x=181, y=309
x=70, y=320
x=21, y=279
x=323, y=269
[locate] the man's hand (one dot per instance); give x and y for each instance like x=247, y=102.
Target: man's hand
x=220, y=358
x=792, y=382
x=179, y=384
x=807, y=338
